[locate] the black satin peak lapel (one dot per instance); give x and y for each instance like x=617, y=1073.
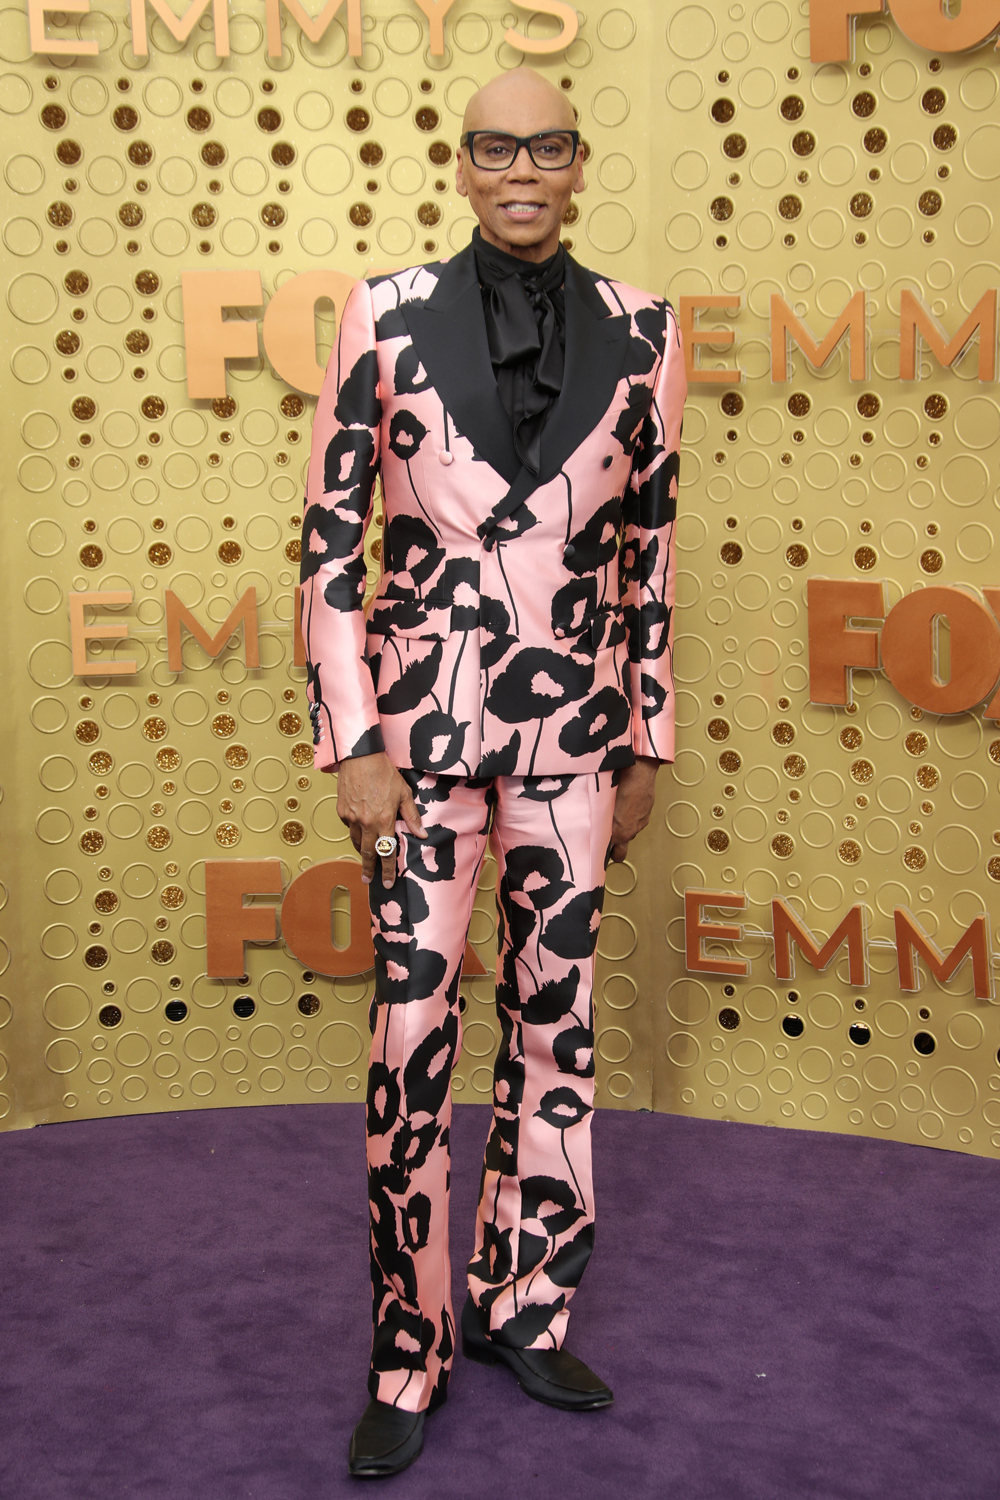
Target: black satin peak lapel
x=596, y=342
x=449, y=334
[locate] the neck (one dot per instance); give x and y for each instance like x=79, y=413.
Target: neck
x=531, y=254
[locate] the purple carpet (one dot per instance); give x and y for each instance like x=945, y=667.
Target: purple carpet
x=185, y=1316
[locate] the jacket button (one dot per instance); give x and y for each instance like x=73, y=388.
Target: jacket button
x=568, y=550
x=446, y=457
x=608, y=461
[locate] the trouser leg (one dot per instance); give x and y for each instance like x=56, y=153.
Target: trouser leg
x=420, y=926
x=535, y=1224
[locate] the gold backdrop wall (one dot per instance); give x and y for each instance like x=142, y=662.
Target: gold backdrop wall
x=722, y=161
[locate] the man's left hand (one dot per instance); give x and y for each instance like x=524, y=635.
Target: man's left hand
x=633, y=805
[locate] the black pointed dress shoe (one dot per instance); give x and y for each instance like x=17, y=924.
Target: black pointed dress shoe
x=385, y=1441
x=551, y=1375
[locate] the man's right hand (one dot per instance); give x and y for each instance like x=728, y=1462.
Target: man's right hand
x=371, y=796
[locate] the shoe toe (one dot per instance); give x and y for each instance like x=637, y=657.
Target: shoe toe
x=385, y=1439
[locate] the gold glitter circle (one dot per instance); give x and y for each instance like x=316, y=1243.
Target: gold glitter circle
x=928, y=777
x=916, y=743
x=865, y=558
x=101, y=762
x=96, y=957
x=796, y=556
x=168, y=759
x=994, y=751
x=794, y=766
x=302, y=755
x=159, y=554
x=849, y=851
x=862, y=771
x=91, y=556
x=782, y=845
x=106, y=901
x=230, y=552
x=293, y=832
x=172, y=896
x=731, y=553
x=783, y=733
x=237, y=756
x=931, y=560
x=227, y=834
x=718, y=841
x=290, y=724
x=154, y=728
x=158, y=837
x=851, y=737
x=92, y=842
x=87, y=731
x=914, y=858
x=223, y=725
x=718, y=729
x=993, y=869
x=162, y=952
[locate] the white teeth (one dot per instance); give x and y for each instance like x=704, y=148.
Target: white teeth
x=521, y=208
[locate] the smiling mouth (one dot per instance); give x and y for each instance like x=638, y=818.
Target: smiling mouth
x=521, y=210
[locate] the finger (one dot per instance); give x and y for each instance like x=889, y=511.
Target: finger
x=410, y=813
x=367, y=856
x=388, y=869
x=619, y=853
x=355, y=833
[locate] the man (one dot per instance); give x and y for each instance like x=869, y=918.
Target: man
x=512, y=686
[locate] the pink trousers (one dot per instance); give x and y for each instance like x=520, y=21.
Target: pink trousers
x=535, y=1223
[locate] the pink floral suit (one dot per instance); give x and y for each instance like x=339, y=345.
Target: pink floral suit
x=516, y=656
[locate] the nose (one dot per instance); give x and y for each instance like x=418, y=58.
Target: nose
x=522, y=163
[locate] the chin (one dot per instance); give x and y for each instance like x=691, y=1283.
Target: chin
x=525, y=235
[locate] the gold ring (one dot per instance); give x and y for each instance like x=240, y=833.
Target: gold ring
x=385, y=845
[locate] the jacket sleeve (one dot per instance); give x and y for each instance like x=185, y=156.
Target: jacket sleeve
x=648, y=559
x=343, y=468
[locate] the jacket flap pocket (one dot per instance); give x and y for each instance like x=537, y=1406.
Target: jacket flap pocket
x=425, y=619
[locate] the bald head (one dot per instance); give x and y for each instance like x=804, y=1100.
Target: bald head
x=520, y=102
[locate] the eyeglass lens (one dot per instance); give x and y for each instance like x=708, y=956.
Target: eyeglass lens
x=549, y=151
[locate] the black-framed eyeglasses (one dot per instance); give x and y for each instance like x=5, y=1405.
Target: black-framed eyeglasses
x=495, y=151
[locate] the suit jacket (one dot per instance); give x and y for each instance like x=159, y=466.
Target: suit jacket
x=522, y=623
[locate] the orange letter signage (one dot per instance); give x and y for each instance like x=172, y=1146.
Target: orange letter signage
x=52, y=46
x=929, y=24
x=307, y=919
x=785, y=325
x=313, y=29
x=834, y=648
x=696, y=930
x=210, y=339
x=910, y=649
x=178, y=614
x=80, y=633
x=180, y=27
x=788, y=930
x=915, y=318
x=290, y=325
x=228, y=922
x=831, y=27
x=911, y=940
x=691, y=335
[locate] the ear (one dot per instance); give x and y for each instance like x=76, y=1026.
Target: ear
x=460, y=186
x=580, y=184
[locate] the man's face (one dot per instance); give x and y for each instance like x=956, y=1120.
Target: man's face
x=520, y=209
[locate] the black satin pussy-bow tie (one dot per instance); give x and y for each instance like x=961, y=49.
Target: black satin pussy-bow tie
x=525, y=324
